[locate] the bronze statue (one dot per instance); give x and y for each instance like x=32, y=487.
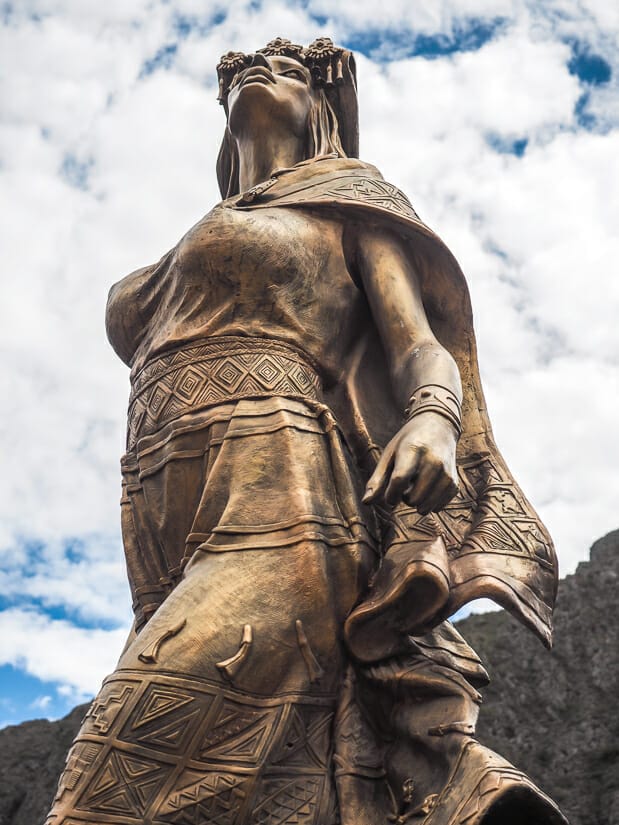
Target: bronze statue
x=310, y=489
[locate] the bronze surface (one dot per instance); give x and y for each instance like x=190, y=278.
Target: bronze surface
x=310, y=489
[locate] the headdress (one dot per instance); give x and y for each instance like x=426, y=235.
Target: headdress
x=332, y=69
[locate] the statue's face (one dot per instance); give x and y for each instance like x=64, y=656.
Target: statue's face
x=272, y=88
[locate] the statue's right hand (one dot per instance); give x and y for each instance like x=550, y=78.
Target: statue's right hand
x=418, y=466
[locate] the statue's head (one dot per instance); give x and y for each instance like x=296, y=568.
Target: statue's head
x=310, y=91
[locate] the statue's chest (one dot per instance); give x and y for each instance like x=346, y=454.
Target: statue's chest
x=260, y=250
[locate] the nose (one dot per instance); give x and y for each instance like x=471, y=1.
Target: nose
x=258, y=59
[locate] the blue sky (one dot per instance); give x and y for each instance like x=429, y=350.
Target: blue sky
x=499, y=119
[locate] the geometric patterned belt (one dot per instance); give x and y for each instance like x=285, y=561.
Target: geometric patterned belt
x=213, y=371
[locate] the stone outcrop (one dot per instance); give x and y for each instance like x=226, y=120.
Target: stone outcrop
x=32, y=756
x=552, y=714
x=555, y=714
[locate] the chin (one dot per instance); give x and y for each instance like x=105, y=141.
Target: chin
x=249, y=102
x=260, y=104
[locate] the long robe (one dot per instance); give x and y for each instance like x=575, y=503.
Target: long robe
x=178, y=736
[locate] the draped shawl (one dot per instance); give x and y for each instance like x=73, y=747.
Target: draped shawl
x=496, y=545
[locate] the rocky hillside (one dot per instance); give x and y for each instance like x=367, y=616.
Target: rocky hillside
x=556, y=715
x=31, y=759
x=553, y=714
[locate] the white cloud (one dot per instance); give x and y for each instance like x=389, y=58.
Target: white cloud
x=41, y=702
x=420, y=17
x=92, y=588
x=57, y=651
x=536, y=236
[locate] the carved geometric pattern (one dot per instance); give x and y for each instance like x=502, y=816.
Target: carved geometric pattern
x=490, y=513
x=456, y=521
x=192, y=752
x=238, y=734
x=160, y=701
x=306, y=740
x=489, y=518
x=212, y=372
x=79, y=760
x=358, y=749
x=164, y=719
x=124, y=785
x=533, y=537
x=288, y=801
x=106, y=707
x=377, y=193
x=403, y=524
x=213, y=798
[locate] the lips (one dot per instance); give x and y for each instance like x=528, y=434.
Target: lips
x=256, y=74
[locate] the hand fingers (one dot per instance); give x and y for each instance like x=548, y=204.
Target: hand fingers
x=379, y=476
x=442, y=493
x=423, y=487
x=450, y=493
x=404, y=469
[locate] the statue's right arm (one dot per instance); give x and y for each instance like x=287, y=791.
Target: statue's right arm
x=419, y=463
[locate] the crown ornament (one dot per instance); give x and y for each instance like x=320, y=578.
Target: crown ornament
x=331, y=67
x=280, y=46
x=324, y=60
x=229, y=65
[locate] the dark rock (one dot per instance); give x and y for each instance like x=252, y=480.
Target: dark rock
x=32, y=756
x=553, y=714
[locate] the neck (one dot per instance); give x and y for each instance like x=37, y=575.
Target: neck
x=261, y=154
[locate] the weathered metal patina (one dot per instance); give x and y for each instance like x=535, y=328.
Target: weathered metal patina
x=311, y=488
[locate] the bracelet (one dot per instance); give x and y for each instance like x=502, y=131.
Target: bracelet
x=437, y=399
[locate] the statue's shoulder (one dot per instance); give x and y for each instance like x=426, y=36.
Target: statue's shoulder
x=351, y=181
x=339, y=167
x=125, y=310
x=354, y=165
x=349, y=184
